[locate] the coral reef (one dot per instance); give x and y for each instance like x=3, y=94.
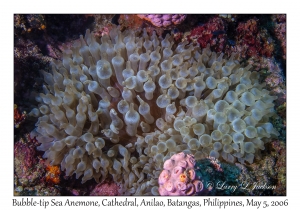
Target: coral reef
x=211, y=33
x=252, y=40
x=28, y=167
x=29, y=23
x=38, y=39
x=280, y=31
x=105, y=189
x=279, y=152
x=18, y=117
x=179, y=177
x=264, y=177
x=267, y=176
x=130, y=21
x=215, y=174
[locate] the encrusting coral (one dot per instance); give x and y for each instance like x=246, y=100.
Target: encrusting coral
x=165, y=20
x=179, y=176
x=123, y=105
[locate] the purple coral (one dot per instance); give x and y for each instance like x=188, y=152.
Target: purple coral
x=28, y=167
x=105, y=189
x=179, y=176
x=164, y=20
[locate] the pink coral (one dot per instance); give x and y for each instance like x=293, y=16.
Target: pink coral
x=161, y=20
x=179, y=176
x=105, y=189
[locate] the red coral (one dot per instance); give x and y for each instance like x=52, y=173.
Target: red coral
x=211, y=33
x=178, y=37
x=252, y=51
x=249, y=26
x=267, y=49
x=251, y=41
x=202, y=35
x=18, y=117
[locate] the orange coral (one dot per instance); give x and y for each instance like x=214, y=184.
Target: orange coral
x=42, y=27
x=182, y=177
x=130, y=21
x=52, y=175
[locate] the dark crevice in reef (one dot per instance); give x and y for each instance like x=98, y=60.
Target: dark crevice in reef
x=58, y=28
x=68, y=26
x=267, y=23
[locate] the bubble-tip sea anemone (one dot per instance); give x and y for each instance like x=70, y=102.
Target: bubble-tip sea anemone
x=123, y=105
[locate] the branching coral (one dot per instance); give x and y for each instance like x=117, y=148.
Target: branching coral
x=123, y=105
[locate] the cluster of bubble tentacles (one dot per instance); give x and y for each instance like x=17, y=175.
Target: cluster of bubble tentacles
x=124, y=104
